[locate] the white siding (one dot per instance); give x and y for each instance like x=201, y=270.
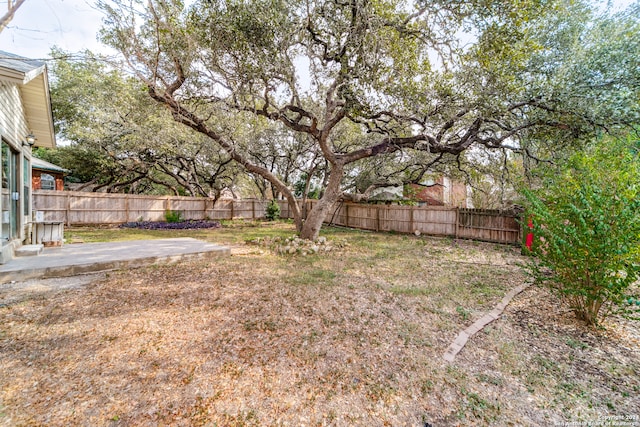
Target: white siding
x=13, y=124
x=13, y=129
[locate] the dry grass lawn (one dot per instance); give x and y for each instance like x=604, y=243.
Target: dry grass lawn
x=351, y=338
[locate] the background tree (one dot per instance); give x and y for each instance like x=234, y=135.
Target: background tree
x=586, y=71
x=122, y=141
x=364, y=79
x=286, y=155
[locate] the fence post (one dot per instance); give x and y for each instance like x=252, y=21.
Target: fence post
x=126, y=208
x=68, y=210
x=411, y=230
x=231, y=209
x=377, y=217
x=457, y=222
x=346, y=214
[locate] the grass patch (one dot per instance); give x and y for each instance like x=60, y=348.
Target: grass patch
x=478, y=409
x=232, y=232
x=313, y=277
x=411, y=291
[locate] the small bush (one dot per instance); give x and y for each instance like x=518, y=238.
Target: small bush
x=587, y=231
x=173, y=216
x=273, y=211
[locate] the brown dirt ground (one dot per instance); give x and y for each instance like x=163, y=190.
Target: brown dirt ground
x=345, y=340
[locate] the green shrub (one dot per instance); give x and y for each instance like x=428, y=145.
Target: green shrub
x=272, y=211
x=173, y=216
x=587, y=231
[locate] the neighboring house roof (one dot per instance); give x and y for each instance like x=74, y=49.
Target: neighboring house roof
x=31, y=76
x=43, y=165
x=389, y=193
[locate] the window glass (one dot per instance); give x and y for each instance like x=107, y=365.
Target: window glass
x=10, y=196
x=27, y=185
x=47, y=182
x=5, y=200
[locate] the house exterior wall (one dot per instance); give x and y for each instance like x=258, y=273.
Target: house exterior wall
x=432, y=196
x=36, y=181
x=13, y=130
x=443, y=192
x=13, y=124
x=458, y=194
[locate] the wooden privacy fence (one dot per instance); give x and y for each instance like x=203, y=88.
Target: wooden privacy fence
x=475, y=224
x=83, y=208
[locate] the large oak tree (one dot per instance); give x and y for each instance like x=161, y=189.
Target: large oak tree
x=414, y=83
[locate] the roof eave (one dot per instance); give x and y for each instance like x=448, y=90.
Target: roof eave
x=37, y=103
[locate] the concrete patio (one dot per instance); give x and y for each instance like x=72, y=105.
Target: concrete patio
x=81, y=258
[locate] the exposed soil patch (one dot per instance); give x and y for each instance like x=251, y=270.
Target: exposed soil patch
x=14, y=292
x=354, y=337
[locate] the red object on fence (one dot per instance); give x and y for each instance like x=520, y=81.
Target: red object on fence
x=529, y=242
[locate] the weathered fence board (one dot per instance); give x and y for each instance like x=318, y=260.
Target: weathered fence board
x=474, y=224
x=75, y=208
x=78, y=208
x=488, y=225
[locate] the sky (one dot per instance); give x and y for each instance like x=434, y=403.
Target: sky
x=38, y=25
x=72, y=25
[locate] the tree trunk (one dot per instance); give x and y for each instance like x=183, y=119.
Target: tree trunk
x=315, y=218
x=296, y=212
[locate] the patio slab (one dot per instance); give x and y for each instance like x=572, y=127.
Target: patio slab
x=81, y=258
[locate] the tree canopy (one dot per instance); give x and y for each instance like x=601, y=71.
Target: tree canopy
x=416, y=83
x=121, y=140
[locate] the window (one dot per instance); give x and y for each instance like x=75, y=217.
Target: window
x=26, y=196
x=47, y=182
x=10, y=195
